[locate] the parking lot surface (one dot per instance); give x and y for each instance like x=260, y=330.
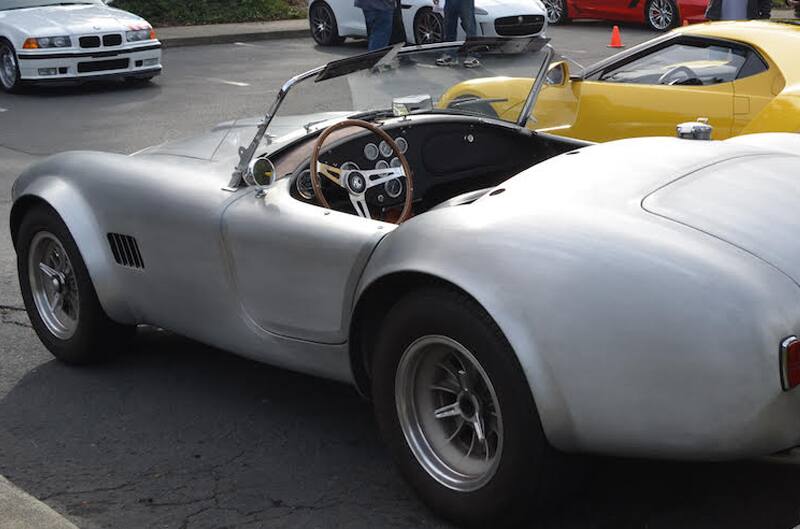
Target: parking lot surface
x=174, y=434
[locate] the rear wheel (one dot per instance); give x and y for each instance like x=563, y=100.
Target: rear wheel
x=428, y=27
x=556, y=11
x=324, y=28
x=456, y=411
x=10, y=78
x=59, y=296
x=661, y=15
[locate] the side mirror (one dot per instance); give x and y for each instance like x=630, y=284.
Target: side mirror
x=261, y=174
x=558, y=74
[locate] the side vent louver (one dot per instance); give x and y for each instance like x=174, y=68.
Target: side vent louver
x=125, y=250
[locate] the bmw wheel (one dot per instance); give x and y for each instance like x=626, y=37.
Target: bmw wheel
x=59, y=296
x=324, y=28
x=556, y=11
x=661, y=15
x=9, y=68
x=428, y=27
x=456, y=411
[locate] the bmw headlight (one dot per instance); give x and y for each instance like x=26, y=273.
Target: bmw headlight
x=48, y=42
x=138, y=35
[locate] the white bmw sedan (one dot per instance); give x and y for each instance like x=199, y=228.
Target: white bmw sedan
x=332, y=21
x=55, y=41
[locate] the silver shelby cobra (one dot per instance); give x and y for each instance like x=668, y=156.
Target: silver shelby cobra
x=503, y=296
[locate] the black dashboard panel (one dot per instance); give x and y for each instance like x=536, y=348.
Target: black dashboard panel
x=448, y=155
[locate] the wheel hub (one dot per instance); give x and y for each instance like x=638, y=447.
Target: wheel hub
x=53, y=285
x=449, y=413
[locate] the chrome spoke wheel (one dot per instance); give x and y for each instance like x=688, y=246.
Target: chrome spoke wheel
x=322, y=23
x=429, y=29
x=8, y=67
x=53, y=285
x=555, y=10
x=449, y=413
x=661, y=14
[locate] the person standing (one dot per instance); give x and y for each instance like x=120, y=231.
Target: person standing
x=378, y=14
x=738, y=9
x=455, y=10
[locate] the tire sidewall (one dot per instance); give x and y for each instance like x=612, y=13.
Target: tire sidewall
x=445, y=313
x=81, y=347
x=18, y=85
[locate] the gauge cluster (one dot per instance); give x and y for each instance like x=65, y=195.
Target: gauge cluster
x=373, y=155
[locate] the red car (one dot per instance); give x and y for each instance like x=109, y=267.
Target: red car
x=660, y=15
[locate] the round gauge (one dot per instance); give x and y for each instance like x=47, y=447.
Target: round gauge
x=402, y=144
x=386, y=150
x=393, y=188
x=395, y=162
x=382, y=164
x=303, y=185
x=350, y=166
x=371, y=152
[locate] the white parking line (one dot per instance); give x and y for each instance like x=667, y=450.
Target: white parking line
x=231, y=83
x=246, y=44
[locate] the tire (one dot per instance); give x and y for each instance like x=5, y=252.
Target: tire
x=556, y=11
x=661, y=15
x=10, y=78
x=428, y=27
x=82, y=333
x=514, y=464
x=322, y=22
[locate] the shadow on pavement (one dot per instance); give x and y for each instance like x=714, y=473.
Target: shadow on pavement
x=175, y=434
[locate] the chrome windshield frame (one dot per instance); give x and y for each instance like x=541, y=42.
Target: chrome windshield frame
x=246, y=154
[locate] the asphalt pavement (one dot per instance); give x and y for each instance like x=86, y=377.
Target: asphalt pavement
x=178, y=435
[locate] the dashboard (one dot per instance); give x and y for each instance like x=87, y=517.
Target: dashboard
x=448, y=155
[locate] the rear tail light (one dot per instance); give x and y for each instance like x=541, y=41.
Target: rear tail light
x=790, y=363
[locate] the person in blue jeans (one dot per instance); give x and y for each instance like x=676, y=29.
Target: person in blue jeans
x=379, y=15
x=455, y=10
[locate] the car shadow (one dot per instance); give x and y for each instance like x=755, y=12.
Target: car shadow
x=176, y=434
x=143, y=91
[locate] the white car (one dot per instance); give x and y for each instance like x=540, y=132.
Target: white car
x=332, y=21
x=54, y=41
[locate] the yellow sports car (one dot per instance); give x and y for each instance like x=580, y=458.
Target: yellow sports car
x=744, y=77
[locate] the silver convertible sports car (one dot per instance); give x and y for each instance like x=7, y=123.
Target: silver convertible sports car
x=503, y=297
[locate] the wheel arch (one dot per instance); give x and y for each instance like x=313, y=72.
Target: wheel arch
x=377, y=297
x=70, y=206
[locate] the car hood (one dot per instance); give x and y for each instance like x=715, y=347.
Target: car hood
x=501, y=8
x=224, y=140
x=69, y=19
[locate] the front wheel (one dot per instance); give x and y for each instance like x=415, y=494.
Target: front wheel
x=324, y=28
x=456, y=411
x=428, y=27
x=58, y=293
x=10, y=78
x=661, y=15
x=556, y=11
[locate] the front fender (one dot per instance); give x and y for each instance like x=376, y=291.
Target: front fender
x=46, y=182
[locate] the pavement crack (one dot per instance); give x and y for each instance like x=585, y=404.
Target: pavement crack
x=23, y=151
x=86, y=491
x=10, y=315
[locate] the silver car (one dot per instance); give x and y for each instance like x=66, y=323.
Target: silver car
x=503, y=297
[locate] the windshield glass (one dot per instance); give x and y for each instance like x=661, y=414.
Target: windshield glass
x=409, y=81
x=20, y=4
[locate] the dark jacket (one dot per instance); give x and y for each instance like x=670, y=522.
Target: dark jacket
x=379, y=5
x=755, y=9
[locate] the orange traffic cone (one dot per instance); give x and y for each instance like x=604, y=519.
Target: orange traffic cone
x=616, y=39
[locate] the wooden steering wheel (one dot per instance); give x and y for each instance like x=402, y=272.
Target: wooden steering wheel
x=357, y=182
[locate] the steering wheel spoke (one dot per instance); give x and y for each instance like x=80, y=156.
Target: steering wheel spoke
x=334, y=174
x=357, y=182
